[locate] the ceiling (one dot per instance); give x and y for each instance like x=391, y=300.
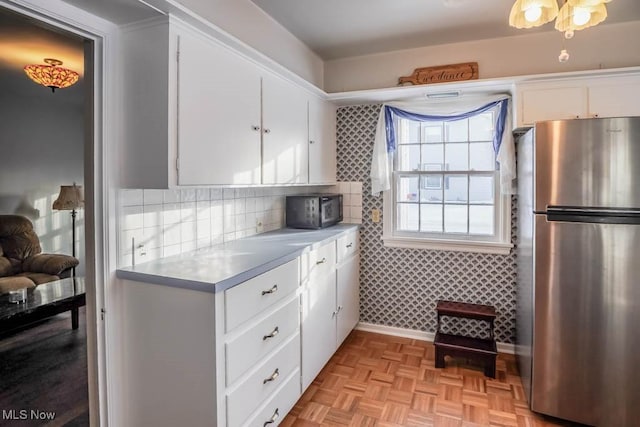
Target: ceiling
x=343, y=28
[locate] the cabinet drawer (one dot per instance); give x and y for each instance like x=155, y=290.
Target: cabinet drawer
x=279, y=405
x=250, y=394
x=318, y=263
x=256, y=343
x=244, y=301
x=347, y=246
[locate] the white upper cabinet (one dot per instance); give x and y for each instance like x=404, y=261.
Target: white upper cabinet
x=578, y=99
x=322, y=142
x=196, y=113
x=218, y=115
x=285, y=153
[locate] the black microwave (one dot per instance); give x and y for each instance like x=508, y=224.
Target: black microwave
x=313, y=210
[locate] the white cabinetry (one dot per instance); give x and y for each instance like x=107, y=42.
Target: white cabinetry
x=197, y=358
x=194, y=112
x=285, y=152
x=330, y=301
x=322, y=142
x=578, y=99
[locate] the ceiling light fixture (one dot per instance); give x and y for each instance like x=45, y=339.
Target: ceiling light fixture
x=574, y=15
x=51, y=75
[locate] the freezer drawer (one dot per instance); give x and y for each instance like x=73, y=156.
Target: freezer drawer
x=587, y=313
x=592, y=163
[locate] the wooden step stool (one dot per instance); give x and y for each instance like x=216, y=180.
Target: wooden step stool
x=483, y=350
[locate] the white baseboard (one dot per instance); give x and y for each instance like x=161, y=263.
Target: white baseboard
x=419, y=335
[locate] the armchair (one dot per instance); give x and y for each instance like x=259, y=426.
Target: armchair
x=22, y=265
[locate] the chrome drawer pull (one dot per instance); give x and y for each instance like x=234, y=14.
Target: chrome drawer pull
x=271, y=335
x=339, y=308
x=273, y=376
x=273, y=418
x=349, y=245
x=270, y=291
x=321, y=261
x=334, y=314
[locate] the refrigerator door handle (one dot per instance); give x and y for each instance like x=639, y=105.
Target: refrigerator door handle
x=593, y=215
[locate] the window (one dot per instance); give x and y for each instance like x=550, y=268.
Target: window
x=445, y=190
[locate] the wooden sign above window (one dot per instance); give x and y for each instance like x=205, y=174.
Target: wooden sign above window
x=442, y=74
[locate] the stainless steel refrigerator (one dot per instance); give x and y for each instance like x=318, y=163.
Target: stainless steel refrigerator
x=578, y=290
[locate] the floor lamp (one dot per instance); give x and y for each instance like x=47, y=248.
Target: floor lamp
x=71, y=198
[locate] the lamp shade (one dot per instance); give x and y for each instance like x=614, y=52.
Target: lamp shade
x=71, y=197
x=51, y=75
x=532, y=13
x=580, y=14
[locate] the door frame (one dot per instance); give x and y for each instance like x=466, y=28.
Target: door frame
x=100, y=192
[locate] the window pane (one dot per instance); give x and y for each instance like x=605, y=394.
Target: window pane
x=481, y=156
x=408, y=216
x=431, y=188
x=457, y=157
x=455, y=219
x=457, y=131
x=408, y=132
x=481, y=127
x=409, y=157
x=432, y=157
x=455, y=188
x=432, y=132
x=408, y=189
x=481, y=220
x=481, y=189
x=431, y=218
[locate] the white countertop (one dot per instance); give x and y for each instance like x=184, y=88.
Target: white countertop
x=223, y=266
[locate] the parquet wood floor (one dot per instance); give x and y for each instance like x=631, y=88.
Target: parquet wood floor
x=381, y=380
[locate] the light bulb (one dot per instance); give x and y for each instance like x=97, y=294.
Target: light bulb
x=568, y=34
x=564, y=56
x=581, y=16
x=533, y=13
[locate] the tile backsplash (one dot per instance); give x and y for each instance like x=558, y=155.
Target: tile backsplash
x=161, y=223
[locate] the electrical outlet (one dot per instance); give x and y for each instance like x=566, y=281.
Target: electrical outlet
x=375, y=215
x=259, y=226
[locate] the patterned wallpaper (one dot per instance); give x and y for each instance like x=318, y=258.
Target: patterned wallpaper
x=399, y=287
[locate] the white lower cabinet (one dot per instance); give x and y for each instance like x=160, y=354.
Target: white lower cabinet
x=330, y=302
x=241, y=357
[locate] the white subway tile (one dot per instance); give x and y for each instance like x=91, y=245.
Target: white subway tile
x=203, y=229
x=171, y=235
x=203, y=243
x=259, y=204
x=203, y=194
x=217, y=240
x=171, y=250
x=217, y=208
x=217, y=226
x=229, y=208
x=250, y=204
x=189, y=246
x=228, y=237
x=132, y=218
x=188, y=211
x=346, y=200
x=152, y=215
x=356, y=200
x=152, y=237
x=126, y=236
x=250, y=221
x=356, y=212
x=153, y=197
x=229, y=224
x=170, y=214
x=203, y=210
x=171, y=196
x=188, y=195
x=344, y=187
x=241, y=206
x=188, y=231
x=131, y=197
x=241, y=222
x=229, y=193
x=356, y=188
x=215, y=193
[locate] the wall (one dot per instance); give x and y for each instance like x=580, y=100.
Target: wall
x=249, y=23
x=604, y=46
x=42, y=146
x=170, y=222
x=400, y=287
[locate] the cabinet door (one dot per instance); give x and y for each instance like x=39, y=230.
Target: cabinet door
x=322, y=142
x=285, y=150
x=218, y=115
x=318, y=310
x=557, y=103
x=616, y=99
x=348, y=296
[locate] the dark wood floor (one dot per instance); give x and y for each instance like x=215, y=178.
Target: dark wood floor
x=384, y=381
x=44, y=368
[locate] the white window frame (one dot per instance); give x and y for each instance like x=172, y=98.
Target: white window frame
x=499, y=243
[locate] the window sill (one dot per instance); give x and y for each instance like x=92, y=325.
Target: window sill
x=496, y=248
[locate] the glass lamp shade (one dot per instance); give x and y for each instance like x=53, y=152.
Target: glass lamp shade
x=532, y=13
x=51, y=75
x=580, y=14
x=71, y=197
